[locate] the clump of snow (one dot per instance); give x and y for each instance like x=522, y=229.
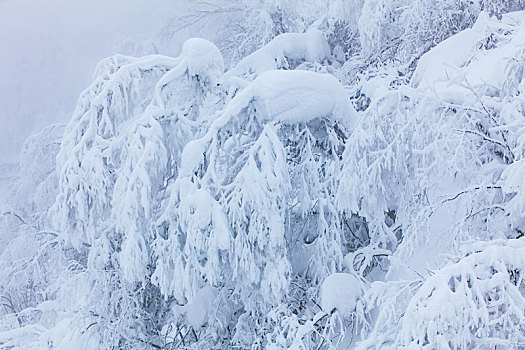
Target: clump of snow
x=310, y=46
x=200, y=308
x=300, y=96
x=203, y=59
x=444, y=60
x=340, y=291
x=294, y=97
x=192, y=156
x=200, y=59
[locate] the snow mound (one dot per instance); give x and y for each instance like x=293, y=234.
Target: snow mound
x=200, y=308
x=310, y=46
x=296, y=96
x=340, y=291
x=203, y=59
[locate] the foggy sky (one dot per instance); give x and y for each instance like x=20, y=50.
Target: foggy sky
x=48, y=52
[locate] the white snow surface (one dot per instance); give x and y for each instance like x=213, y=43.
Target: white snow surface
x=300, y=96
x=340, y=291
x=203, y=58
x=293, y=96
x=200, y=308
x=226, y=221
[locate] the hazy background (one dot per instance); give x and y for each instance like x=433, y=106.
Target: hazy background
x=48, y=52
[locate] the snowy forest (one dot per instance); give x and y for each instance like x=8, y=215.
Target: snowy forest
x=295, y=174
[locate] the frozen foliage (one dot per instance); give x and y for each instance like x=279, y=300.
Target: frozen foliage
x=354, y=180
x=127, y=125
x=442, y=209
x=32, y=259
x=476, y=302
x=239, y=175
x=122, y=88
x=403, y=30
x=286, y=50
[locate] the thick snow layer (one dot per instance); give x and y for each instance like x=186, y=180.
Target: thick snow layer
x=340, y=291
x=202, y=58
x=471, y=58
x=299, y=96
x=200, y=308
x=310, y=46
x=295, y=97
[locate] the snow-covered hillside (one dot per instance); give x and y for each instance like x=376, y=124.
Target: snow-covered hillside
x=323, y=175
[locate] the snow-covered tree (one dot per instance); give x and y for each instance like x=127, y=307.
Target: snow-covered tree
x=354, y=179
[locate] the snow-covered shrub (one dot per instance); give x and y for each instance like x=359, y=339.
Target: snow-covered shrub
x=122, y=88
x=37, y=177
x=313, y=196
x=455, y=194
x=477, y=302
x=232, y=232
x=32, y=258
x=113, y=164
x=404, y=30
